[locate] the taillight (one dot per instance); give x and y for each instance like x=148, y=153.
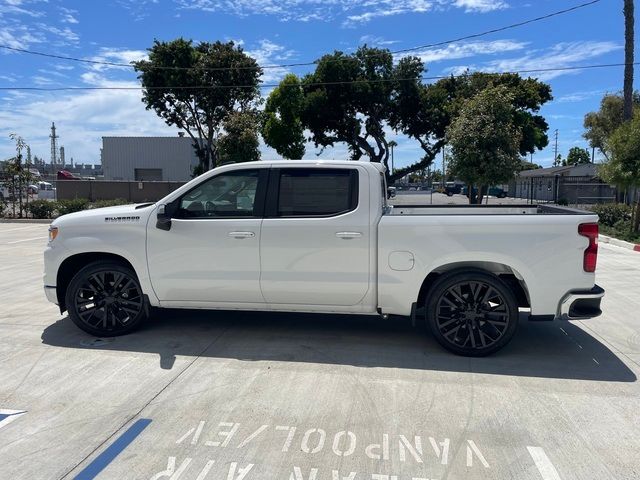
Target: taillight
x=590, y=230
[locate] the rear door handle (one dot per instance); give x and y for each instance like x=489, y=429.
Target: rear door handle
x=348, y=235
x=242, y=234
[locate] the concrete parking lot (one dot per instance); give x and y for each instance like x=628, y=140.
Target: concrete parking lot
x=248, y=396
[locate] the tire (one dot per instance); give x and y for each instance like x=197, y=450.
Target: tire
x=105, y=299
x=472, y=312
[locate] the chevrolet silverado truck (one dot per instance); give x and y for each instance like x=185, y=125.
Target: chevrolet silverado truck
x=319, y=236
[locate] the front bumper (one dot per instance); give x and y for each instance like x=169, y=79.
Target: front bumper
x=581, y=304
x=51, y=293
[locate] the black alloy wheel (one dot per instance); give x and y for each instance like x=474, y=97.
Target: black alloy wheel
x=472, y=313
x=105, y=299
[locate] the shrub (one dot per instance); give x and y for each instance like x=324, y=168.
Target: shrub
x=612, y=214
x=69, y=206
x=41, y=208
x=109, y=203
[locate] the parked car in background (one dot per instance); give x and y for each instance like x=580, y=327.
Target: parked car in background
x=452, y=189
x=498, y=192
x=66, y=175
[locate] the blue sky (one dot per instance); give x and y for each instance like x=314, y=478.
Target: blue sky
x=286, y=31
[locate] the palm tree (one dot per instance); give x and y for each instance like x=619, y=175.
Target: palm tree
x=392, y=144
x=629, y=59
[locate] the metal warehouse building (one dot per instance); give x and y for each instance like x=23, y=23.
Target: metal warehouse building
x=148, y=158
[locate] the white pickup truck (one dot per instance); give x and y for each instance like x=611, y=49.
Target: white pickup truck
x=318, y=236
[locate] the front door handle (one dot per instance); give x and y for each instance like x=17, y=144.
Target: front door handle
x=242, y=234
x=348, y=235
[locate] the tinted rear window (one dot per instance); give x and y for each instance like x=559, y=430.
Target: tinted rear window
x=317, y=192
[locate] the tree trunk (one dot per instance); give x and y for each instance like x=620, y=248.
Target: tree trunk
x=628, y=59
x=482, y=190
x=471, y=194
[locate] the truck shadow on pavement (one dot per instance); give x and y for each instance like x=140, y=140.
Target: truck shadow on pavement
x=558, y=350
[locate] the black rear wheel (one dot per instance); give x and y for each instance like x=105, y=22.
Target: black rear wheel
x=472, y=313
x=105, y=299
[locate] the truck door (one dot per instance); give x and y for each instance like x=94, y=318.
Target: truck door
x=211, y=253
x=314, y=246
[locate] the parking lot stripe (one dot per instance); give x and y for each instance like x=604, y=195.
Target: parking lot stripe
x=106, y=457
x=544, y=465
x=27, y=240
x=8, y=416
x=31, y=227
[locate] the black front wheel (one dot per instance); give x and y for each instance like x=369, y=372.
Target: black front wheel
x=105, y=299
x=472, y=313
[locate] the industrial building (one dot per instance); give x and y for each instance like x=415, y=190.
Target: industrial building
x=148, y=158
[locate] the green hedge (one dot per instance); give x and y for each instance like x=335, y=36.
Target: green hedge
x=51, y=208
x=611, y=214
x=41, y=208
x=65, y=207
x=615, y=221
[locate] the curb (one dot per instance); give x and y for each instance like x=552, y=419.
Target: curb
x=619, y=243
x=25, y=220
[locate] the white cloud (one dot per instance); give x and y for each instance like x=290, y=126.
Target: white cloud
x=270, y=53
x=561, y=55
x=84, y=117
x=388, y=8
x=481, y=6
x=457, y=51
x=373, y=40
x=68, y=18
x=352, y=12
x=117, y=55
x=581, y=96
x=19, y=30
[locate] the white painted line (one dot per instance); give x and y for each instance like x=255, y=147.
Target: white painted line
x=8, y=416
x=27, y=240
x=18, y=229
x=544, y=465
x=597, y=362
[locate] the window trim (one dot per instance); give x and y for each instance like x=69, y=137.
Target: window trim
x=258, y=204
x=273, y=192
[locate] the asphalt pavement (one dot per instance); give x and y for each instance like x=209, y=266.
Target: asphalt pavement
x=255, y=396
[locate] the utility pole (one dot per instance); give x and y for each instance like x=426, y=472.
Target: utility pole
x=593, y=155
x=444, y=168
x=555, y=157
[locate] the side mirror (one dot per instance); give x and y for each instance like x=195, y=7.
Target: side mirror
x=164, y=219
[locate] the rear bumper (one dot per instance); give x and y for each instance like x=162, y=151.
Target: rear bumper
x=581, y=304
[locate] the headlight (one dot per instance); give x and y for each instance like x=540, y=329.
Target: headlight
x=53, y=233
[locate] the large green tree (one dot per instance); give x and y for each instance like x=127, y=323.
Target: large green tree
x=282, y=127
x=348, y=99
x=424, y=112
x=578, y=156
x=623, y=168
x=485, y=140
x=600, y=125
x=239, y=142
x=197, y=87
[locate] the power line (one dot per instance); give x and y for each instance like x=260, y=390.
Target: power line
x=313, y=84
x=300, y=64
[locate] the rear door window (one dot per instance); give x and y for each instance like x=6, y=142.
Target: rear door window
x=317, y=192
